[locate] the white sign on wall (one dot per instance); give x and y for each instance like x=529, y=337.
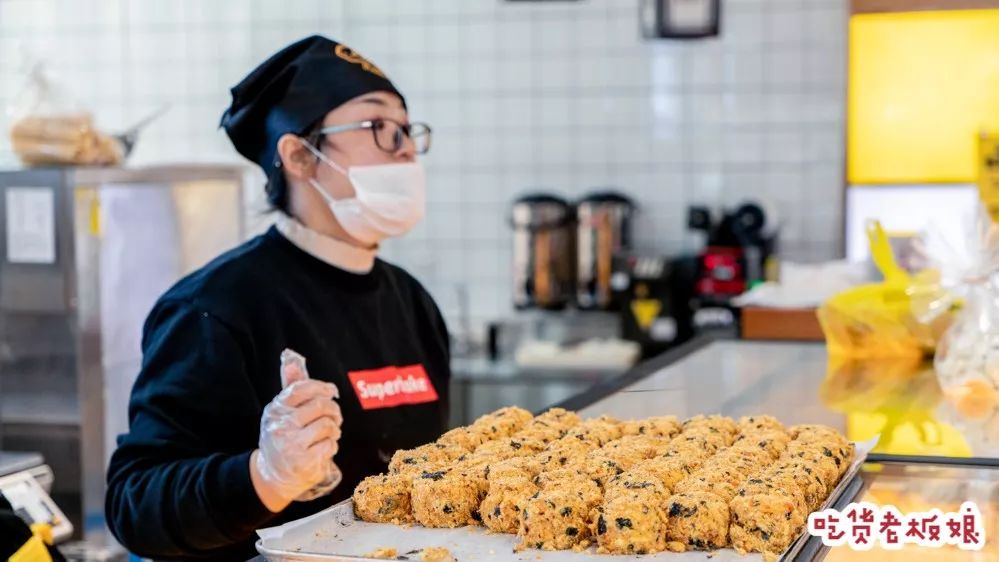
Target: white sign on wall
x=30, y=225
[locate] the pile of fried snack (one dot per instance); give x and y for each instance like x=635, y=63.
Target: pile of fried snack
x=630, y=487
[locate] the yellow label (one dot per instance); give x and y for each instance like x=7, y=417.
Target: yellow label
x=88, y=201
x=95, y=217
x=645, y=311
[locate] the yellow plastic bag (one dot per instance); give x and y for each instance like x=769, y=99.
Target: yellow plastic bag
x=903, y=315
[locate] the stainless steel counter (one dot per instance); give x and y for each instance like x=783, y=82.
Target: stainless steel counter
x=919, y=488
x=733, y=378
x=479, y=386
x=930, y=456
x=797, y=382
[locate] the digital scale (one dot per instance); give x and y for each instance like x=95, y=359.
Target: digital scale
x=25, y=481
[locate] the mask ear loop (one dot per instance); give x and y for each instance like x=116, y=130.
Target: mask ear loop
x=319, y=154
x=322, y=157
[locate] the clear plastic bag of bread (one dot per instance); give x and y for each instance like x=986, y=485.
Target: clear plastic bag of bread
x=48, y=128
x=967, y=359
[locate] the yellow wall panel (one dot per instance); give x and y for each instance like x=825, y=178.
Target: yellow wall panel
x=921, y=87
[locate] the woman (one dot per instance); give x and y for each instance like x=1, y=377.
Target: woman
x=216, y=449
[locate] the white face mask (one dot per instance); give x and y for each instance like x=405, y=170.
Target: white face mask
x=389, y=199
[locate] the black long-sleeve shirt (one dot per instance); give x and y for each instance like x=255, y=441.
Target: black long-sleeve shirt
x=179, y=483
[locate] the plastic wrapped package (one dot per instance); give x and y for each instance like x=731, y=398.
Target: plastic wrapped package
x=48, y=128
x=903, y=315
x=967, y=361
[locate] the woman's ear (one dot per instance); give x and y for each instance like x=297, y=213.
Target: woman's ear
x=296, y=160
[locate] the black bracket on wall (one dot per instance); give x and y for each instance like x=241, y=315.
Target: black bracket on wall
x=680, y=19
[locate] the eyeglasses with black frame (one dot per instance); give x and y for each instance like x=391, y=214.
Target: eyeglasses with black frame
x=389, y=134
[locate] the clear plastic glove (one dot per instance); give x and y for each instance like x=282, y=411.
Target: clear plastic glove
x=293, y=364
x=299, y=434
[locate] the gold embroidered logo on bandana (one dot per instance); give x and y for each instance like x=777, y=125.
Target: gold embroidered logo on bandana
x=347, y=54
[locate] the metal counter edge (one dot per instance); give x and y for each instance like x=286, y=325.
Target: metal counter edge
x=645, y=369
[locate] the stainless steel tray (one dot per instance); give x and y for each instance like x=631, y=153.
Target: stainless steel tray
x=334, y=535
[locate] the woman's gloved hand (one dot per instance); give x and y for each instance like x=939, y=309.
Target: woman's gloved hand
x=299, y=432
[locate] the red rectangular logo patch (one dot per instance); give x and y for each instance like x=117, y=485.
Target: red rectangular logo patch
x=392, y=386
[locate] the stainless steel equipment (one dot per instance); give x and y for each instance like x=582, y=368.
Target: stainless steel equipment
x=543, y=253
x=84, y=253
x=603, y=231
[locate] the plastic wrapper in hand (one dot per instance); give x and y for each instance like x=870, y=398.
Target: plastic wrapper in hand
x=967, y=361
x=48, y=129
x=903, y=315
x=333, y=474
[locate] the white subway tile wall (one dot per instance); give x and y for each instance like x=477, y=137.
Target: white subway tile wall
x=561, y=96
